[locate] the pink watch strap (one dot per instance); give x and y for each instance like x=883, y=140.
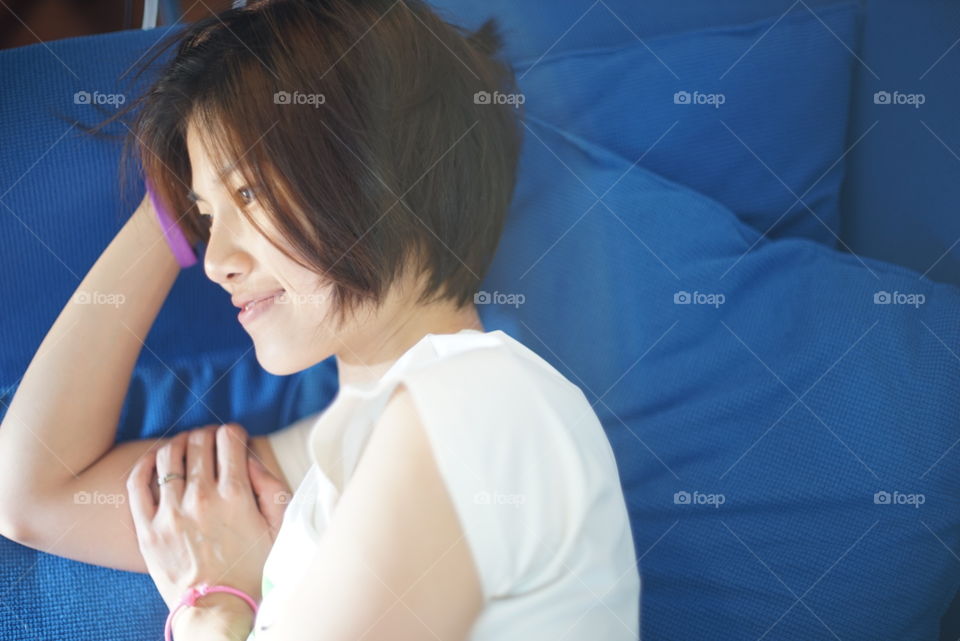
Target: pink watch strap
x=178, y=243
x=190, y=597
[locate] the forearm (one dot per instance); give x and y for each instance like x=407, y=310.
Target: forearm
x=65, y=412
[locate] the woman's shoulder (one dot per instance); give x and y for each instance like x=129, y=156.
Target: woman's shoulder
x=521, y=451
x=493, y=389
x=495, y=360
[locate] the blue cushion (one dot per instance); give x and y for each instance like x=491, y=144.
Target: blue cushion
x=695, y=397
x=701, y=399
x=901, y=194
x=537, y=28
x=770, y=127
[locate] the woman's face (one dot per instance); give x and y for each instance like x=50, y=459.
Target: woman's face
x=288, y=328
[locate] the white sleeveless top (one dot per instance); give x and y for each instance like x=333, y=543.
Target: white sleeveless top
x=507, y=429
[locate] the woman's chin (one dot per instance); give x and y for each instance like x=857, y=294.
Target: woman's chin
x=272, y=363
x=279, y=362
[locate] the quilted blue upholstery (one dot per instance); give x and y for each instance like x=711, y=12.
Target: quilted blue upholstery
x=695, y=398
x=733, y=146
x=900, y=199
x=795, y=398
x=540, y=28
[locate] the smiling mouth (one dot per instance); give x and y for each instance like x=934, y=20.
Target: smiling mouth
x=259, y=300
x=256, y=308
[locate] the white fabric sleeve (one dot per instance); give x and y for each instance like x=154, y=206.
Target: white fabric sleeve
x=290, y=446
x=511, y=468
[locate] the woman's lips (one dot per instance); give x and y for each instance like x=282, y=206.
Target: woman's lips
x=251, y=312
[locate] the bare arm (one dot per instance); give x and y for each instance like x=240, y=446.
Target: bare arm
x=88, y=519
x=64, y=415
x=62, y=479
x=394, y=563
x=66, y=409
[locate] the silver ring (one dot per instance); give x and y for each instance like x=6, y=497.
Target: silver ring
x=169, y=477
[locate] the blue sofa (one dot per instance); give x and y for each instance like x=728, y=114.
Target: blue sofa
x=741, y=283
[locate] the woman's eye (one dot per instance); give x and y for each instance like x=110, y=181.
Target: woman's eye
x=246, y=194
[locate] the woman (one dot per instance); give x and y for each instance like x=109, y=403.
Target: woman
x=348, y=165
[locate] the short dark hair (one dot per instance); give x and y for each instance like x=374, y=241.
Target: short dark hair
x=333, y=110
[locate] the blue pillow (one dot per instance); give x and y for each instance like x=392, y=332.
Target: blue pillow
x=535, y=28
x=599, y=291
x=754, y=116
x=901, y=192
x=759, y=395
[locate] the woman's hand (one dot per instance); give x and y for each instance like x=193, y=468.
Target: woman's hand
x=217, y=525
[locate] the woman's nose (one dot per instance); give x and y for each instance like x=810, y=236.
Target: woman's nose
x=225, y=261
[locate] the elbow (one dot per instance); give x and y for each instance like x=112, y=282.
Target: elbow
x=15, y=531
x=14, y=505
x=14, y=522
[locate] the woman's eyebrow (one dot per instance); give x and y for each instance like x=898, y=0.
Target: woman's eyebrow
x=226, y=172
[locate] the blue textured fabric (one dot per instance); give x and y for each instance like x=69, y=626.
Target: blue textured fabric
x=796, y=398
x=734, y=147
x=535, y=28
x=694, y=398
x=900, y=199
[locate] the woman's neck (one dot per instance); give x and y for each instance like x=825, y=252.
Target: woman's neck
x=370, y=353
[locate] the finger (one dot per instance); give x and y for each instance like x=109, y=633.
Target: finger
x=200, y=457
x=143, y=506
x=271, y=493
x=232, y=458
x=170, y=461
